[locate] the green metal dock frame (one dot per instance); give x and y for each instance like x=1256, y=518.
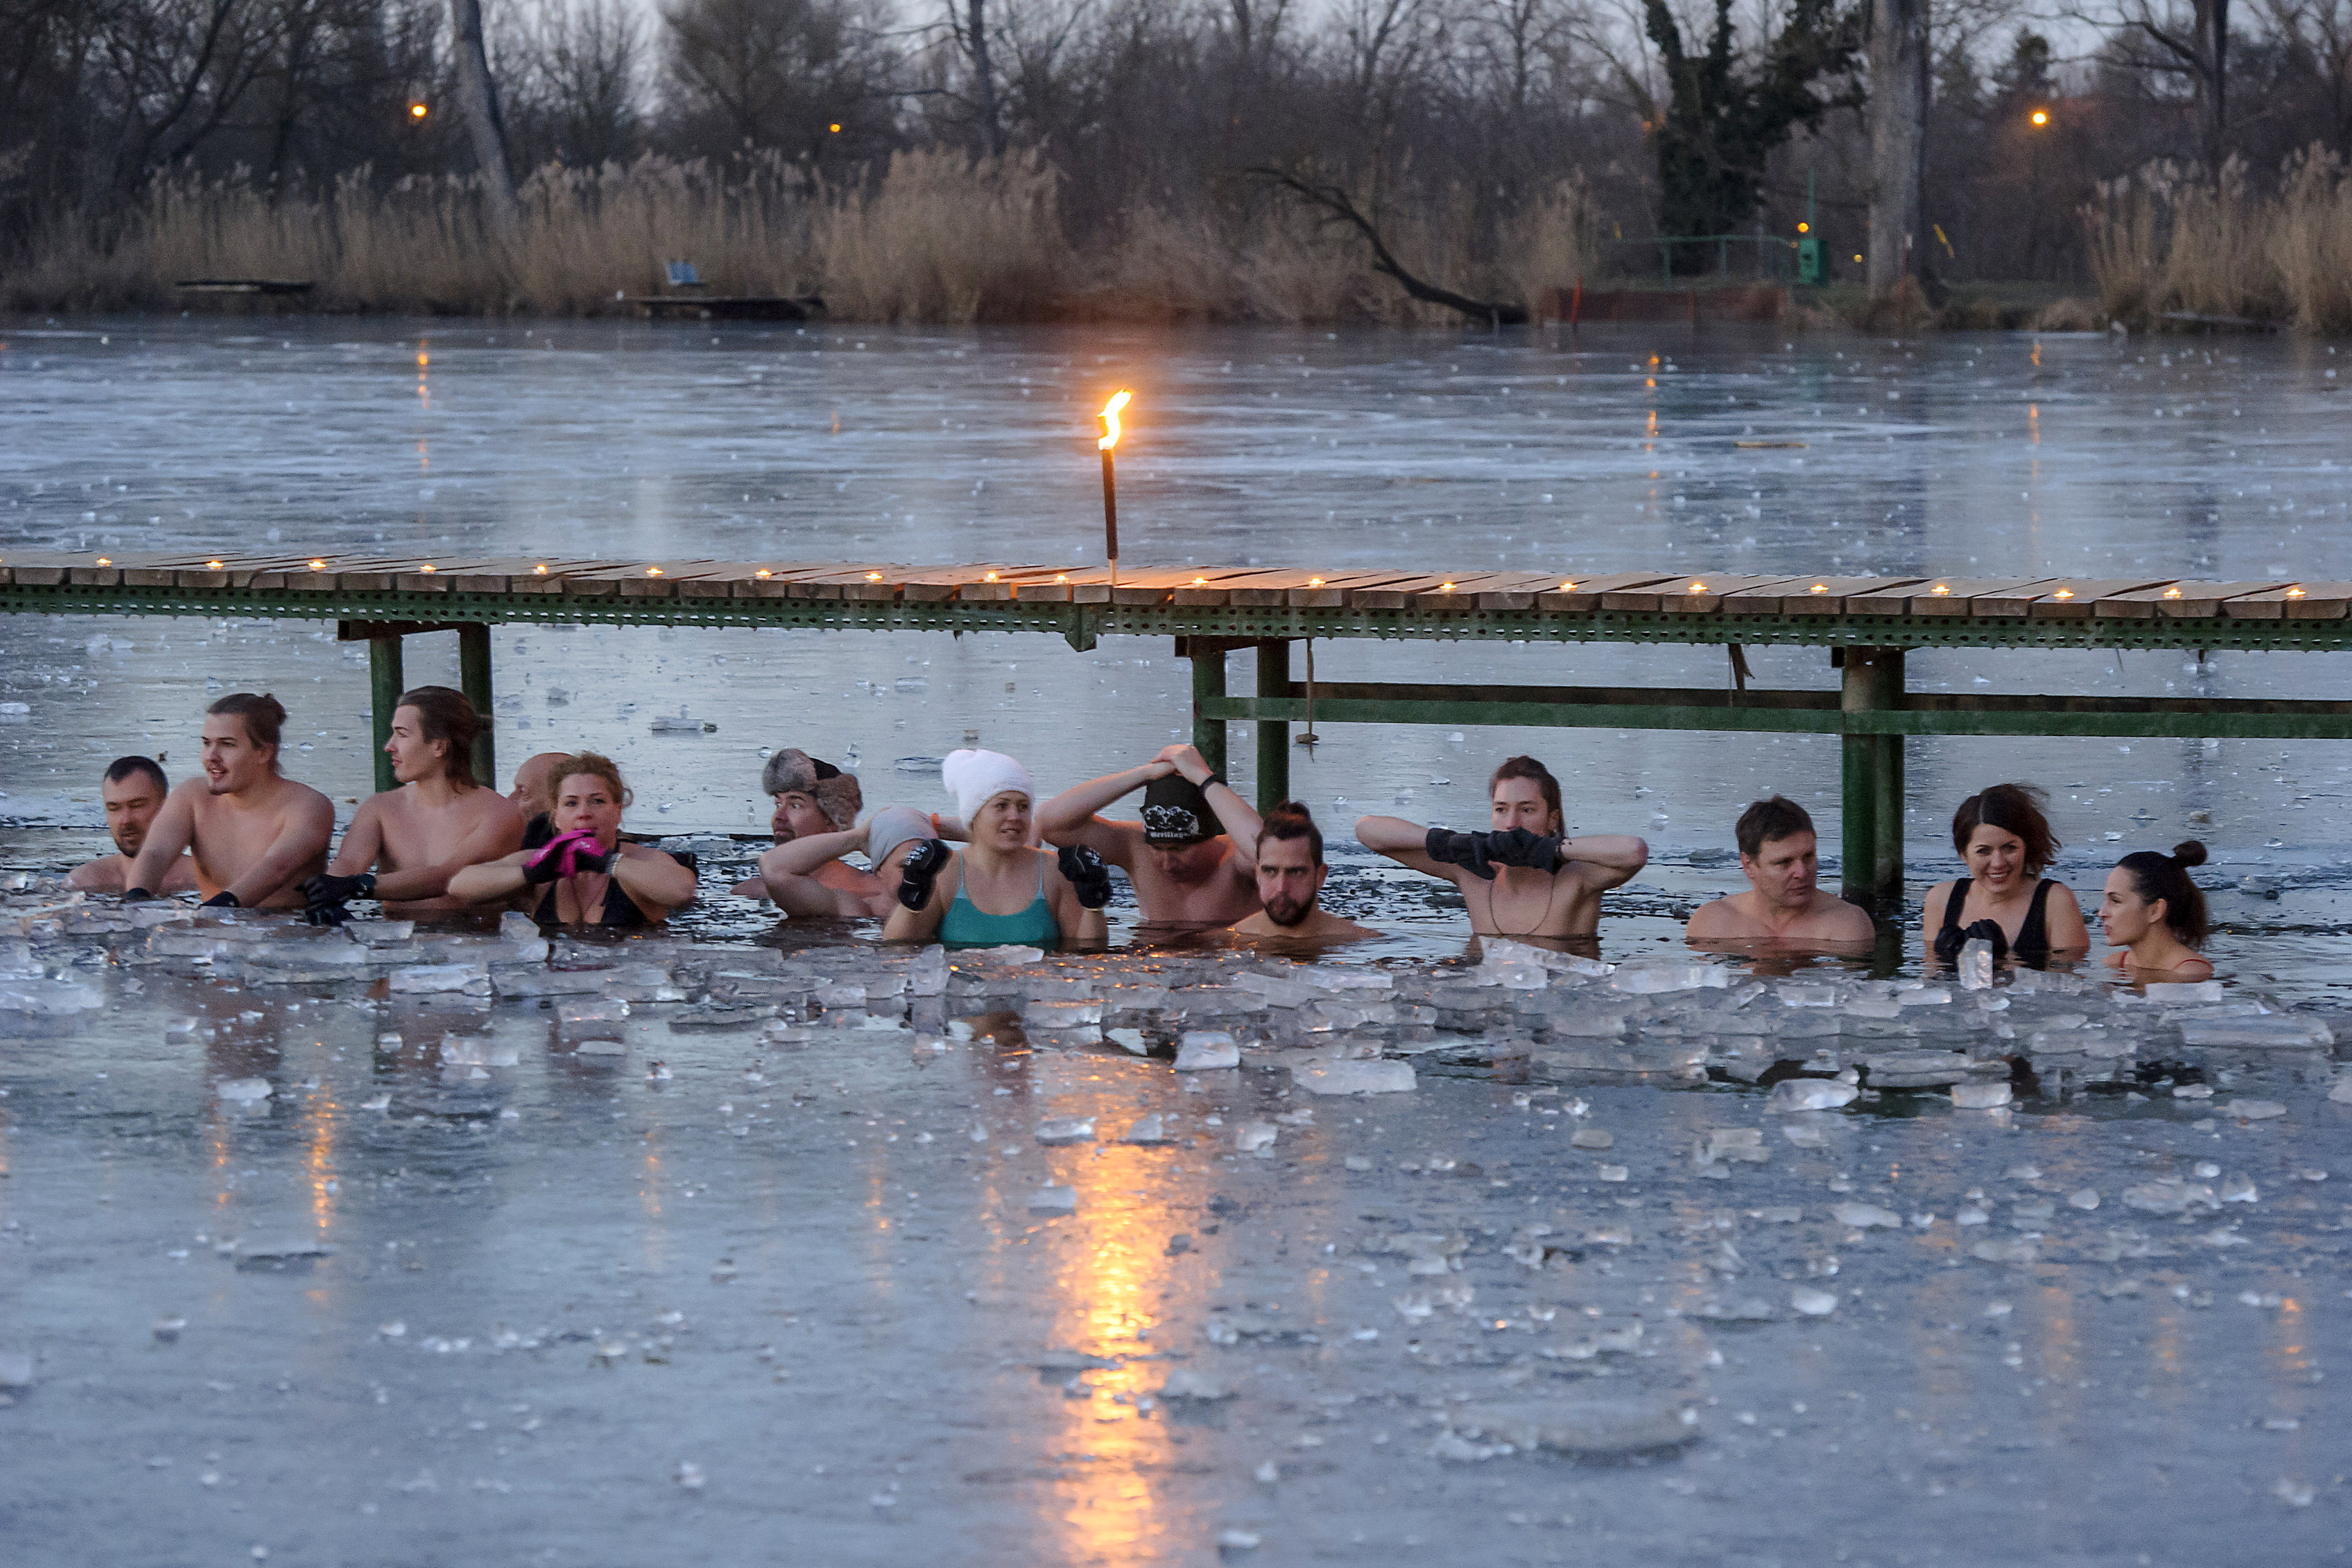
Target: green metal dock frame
x=1866, y=630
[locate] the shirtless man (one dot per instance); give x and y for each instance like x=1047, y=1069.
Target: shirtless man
x=533, y=795
x=813, y=798
x=133, y=792
x=1193, y=856
x=1782, y=906
x=253, y=833
x=1525, y=879
x=1290, y=874
x=403, y=845
x=797, y=873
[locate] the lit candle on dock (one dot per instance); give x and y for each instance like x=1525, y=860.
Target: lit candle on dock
x=1109, y=445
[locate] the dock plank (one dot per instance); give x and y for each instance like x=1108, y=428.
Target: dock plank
x=1821, y=596
x=1991, y=597
x=2178, y=601
x=2075, y=598
x=1582, y=595
x=2303, y=601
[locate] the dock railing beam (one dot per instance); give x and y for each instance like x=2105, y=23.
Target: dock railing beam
x=1208, y=657
x=385, y=687
x=1273, y=734
x=473, y=679
x=1873, y=777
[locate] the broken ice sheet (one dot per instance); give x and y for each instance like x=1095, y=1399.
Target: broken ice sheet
x=1054, y=1200
x=1068, y=1130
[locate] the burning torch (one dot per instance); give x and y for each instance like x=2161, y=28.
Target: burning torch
x=1109, y=446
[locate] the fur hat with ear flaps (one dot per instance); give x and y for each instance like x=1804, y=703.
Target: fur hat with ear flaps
x=836, y=794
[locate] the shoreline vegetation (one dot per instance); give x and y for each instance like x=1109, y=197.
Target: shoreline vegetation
x=940, y=237
x=935, y=237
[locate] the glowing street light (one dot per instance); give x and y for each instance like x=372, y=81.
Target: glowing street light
x=418, y=112
x=2040, y=117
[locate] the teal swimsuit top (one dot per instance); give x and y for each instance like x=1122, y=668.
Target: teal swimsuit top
x=966, y=924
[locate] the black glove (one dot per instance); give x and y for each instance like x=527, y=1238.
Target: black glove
x=221, y=901
x=323, y=897
x=1085, y=871
x=1951, y=939
x=1467, y=850
x=136, y=896
x=1521, y=848
x=921, y=869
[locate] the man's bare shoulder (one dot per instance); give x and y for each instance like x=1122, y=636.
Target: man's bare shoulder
x=483, y=805
x=1834, y=920
x=1724, y=920
x=103, y=875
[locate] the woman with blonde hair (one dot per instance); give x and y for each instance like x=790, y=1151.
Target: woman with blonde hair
x=585, y=874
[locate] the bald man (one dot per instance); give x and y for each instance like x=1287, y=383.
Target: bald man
x=534, y=795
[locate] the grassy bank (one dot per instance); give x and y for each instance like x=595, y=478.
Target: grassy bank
x=936, y=237
x=2170, y=247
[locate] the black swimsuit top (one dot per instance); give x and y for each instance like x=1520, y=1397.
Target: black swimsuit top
x=620, y=911
x=2033, y=944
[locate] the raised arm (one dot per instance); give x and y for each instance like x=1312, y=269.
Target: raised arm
x=1402, y=841
x=494, y=883
x=1069, y=818
x=1604, y=860
x=1236, y=815
x=923, y=924
x=168, y=837
x=651, y=877
x=806, y=856
x=301, y=844
x=499, y=833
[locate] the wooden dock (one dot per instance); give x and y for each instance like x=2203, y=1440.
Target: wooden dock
x=1867, y=625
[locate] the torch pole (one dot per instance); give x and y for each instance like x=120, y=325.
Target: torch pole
x=1110, y=513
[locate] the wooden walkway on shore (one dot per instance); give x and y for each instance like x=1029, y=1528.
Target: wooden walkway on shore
x=1866, y=624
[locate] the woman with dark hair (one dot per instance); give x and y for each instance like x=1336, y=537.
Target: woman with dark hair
x=2005, y=841
x=2156, y=914
x=1526, y=877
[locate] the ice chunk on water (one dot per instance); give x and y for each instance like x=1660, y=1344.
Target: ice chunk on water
x=2277, y=1032
x=1068, y=1129
x=1592, y=1138
x=472, y=979
x=1810, y=1094
x=1053, y=1200
x=1976, y=964
x=49, y=999
x=1147, y=1132
x=244, y=1090
x=927, y=975
x=602, y=1010
x=1353, y=1076
x=1002, y=957
x=1202, y=1049
x=1649, y=979
x=600, y=1048
x=2181, y=993
x=1980, y=1096
x=1060, y=1014
x=1185, y=1383
x=1256, y=1138
x=1863, y=1217
x=840, y=994
x=1813, y=1302
x=1279, y=991
x=2342, y=1094
x=2255, y=1110
x=514, y=926
x=1808, y=996
x=1129, y=1040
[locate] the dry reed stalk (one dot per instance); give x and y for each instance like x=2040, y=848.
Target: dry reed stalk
x=1553, y=241
x=2311, y=241
x=944, y=238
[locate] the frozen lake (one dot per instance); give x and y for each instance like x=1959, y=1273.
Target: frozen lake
x=678, y=1253
x=2221, y=457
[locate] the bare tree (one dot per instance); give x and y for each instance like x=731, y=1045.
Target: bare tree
x=478, y=95
x=776, y=73
x=584, y=79
x=2188, y=39
x=1899, y=143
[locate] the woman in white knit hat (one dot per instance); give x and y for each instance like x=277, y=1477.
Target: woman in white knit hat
x=1001, y=890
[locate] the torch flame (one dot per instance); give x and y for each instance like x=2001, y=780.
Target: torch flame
x=1109, y=417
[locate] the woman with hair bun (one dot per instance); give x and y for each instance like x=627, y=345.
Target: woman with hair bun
x=2156, y=914
x=2005, y=841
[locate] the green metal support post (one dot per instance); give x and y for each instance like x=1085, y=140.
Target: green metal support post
x=385, y=687
x=474, y=679
x=1208, y=657
x=1273, y=735
x=1873, y=778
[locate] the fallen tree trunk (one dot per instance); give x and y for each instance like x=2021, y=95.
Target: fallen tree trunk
x=1337, y=206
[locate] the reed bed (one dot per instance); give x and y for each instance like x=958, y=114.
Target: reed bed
x=2172, y=245
x=936, y=237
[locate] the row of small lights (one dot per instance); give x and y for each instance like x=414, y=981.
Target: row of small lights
x=1566, y=586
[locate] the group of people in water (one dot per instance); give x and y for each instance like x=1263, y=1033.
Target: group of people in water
x=1005, y=867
